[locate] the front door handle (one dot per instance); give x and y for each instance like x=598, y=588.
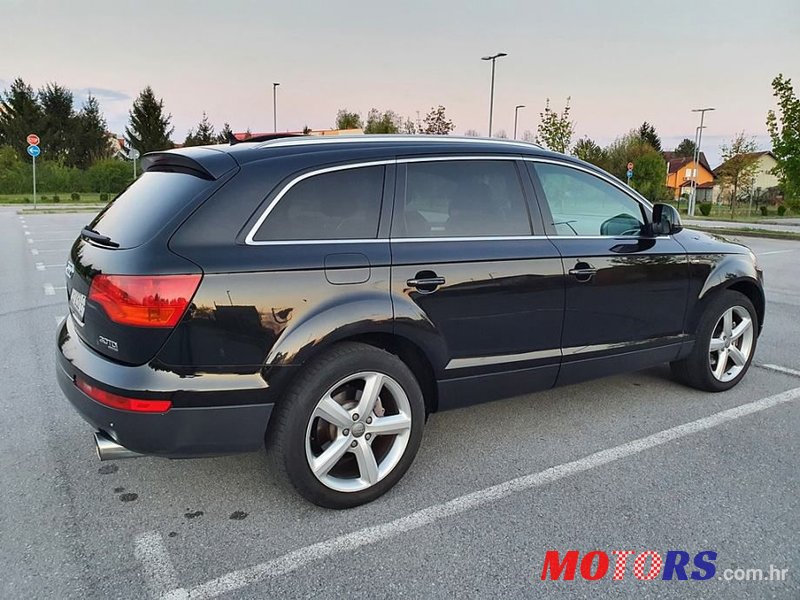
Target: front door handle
x=426, y=283
x=583, y=272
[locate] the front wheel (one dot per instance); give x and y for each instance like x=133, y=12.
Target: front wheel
x=724, y=346
x=350, y=426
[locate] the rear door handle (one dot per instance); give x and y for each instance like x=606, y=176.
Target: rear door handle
x=583, y=272
x=426, y=284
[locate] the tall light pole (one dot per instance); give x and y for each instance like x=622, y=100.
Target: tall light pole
x=516, y=117
x=492, y=58
x=275, y=107
x=693, y=193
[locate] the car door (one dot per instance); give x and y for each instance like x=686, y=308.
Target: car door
x=626, y=290
x=471, y=281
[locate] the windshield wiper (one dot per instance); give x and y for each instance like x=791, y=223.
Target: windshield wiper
x=90, y=234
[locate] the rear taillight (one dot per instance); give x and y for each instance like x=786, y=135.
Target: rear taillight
x=144, y=301
x=144, y=405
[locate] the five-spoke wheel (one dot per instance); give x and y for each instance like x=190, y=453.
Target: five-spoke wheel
x=349, y=427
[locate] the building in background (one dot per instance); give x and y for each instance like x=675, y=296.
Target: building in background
x=681, y=171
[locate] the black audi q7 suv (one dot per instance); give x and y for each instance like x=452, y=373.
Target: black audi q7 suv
x=321, y=296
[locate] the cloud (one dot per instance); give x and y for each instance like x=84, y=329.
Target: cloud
x=102, y=94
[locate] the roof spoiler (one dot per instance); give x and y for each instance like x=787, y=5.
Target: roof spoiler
x=205, y=163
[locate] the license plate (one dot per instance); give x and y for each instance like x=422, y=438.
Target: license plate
x=77, y=304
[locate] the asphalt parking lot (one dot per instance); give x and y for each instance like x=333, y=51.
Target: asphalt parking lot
x=632, y=462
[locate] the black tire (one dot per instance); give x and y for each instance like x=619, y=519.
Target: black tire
x=695, y=369
x=286, y=443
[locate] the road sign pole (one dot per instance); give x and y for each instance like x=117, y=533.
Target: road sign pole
x=134, y=169
x=34, y=183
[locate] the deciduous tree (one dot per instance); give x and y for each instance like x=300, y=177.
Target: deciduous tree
x=387, y=121
x=784, y=131
x=555, y=130
x=437, y=123
x=149, y=127
x=346, y=119
x=472, y=133
x=739, y=166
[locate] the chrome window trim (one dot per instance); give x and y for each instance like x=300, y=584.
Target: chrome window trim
x=250, y=241
x=628, y=191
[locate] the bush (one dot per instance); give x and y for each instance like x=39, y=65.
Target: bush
x=43, y=198
x=764, y=211
x=56, y=198
x=705, y=208
x=103, y=197
x=76, y=197
x=794, y=206
x=109, y=175
x=781, y=210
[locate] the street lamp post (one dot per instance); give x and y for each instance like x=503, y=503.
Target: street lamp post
x=516, y=117
x=699, y=136
x=275, y=107
x=492, y=58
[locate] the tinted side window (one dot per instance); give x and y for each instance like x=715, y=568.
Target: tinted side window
x=582, y=204
x=462, y=198
x=342, y=204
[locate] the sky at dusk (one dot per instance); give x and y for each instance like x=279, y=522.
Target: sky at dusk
x=621, y=61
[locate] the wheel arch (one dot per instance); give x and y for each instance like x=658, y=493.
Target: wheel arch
x=750, y=286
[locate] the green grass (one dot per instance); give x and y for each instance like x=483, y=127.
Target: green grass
x=740, y=231
x=720, y=212
x=47, y=198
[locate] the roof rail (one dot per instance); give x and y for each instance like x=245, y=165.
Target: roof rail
x=233, y=140
x=275, y=142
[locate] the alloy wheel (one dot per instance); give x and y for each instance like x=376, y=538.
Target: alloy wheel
x=731, y=344
x=358, y=431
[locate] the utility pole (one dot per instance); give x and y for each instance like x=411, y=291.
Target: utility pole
x=516, y=117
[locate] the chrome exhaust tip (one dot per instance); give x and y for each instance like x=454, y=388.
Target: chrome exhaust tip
x=108, y=449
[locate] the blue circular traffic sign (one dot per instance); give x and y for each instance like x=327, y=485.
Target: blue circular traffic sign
x=34, y=151
x=629, y=173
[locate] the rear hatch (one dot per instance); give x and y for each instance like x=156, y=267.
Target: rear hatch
x=126, y=290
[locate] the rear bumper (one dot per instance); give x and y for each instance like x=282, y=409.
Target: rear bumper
x=226, y=421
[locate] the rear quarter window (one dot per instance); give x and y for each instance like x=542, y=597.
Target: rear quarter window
x=139, y=212
x=342, y=204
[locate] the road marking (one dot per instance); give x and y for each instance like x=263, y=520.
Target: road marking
x=56, y=240
x=58, y=319
x=40, y=266
x=64, y=250
x=781, y=369
x=30, y=241
x=774, y=252
x=159, y=567
x=161, y=578
x=34, y=251
x=49, y=290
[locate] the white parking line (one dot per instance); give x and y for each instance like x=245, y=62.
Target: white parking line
x=161, y=573
x=781, y=369
x=58, y=319
x=775, y=252
x=40, y=266
x=34, y=251
x=161, y=578
x=49, y=290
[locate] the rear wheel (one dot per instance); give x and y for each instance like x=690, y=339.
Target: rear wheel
x=724, y=346
x=350, y=426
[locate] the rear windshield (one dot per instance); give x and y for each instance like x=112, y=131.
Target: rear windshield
x=135, y=216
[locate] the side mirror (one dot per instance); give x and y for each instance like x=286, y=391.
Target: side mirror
x=666, y=220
